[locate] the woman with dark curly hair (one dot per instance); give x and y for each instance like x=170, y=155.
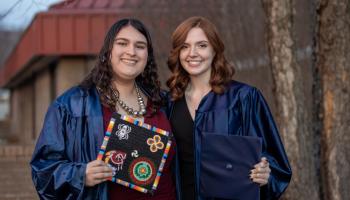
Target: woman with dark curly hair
x=125, y=81
x=208, y=111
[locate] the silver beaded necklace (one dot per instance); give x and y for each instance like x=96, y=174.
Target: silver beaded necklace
x=129, y=110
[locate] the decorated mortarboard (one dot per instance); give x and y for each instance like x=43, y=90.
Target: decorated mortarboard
x=137, y=151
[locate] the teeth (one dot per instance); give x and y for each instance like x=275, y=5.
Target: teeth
x=128, y=61
x=194, y=62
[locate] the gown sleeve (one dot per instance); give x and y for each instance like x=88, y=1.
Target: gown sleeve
x=54, y=174
x=258, y=121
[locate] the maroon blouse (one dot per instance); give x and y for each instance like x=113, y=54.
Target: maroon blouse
x=166, y=186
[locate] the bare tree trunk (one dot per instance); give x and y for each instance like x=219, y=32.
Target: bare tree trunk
x=333, y=65
x=293, y=117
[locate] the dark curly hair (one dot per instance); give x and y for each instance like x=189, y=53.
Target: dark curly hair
x=102, y=74
x=221, y=73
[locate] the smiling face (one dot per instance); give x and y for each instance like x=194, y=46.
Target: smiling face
x=129, y=53
x=197, y=54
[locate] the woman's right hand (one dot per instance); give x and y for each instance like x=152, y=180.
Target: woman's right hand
x=96, y=172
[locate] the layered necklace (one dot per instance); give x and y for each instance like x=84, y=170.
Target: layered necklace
x=129, y=110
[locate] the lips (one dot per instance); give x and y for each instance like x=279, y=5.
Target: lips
x=128, y=61
x=194, y=63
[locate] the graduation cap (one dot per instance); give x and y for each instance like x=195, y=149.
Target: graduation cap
x=137, y=151
x=225, y=164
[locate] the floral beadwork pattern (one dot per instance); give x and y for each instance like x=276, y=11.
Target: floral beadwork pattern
x=155, y=143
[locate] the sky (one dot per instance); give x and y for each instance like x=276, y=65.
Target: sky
x=22, y=13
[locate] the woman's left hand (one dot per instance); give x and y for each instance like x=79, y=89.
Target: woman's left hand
x=261, y=172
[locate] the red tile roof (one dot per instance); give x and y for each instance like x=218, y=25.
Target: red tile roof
x=68, y=28
x=96, y=4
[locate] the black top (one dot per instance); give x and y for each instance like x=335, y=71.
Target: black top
x=182, y=125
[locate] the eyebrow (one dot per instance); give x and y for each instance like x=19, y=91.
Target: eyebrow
x=202, y=41
x=138, y=42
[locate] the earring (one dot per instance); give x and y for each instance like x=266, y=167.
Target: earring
x=103, y=59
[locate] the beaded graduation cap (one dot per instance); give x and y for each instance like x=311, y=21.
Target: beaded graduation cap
x=137, y=151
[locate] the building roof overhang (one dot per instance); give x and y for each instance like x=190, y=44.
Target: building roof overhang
x=59, y=33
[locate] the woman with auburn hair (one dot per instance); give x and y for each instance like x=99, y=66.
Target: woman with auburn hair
x=123, y=81
x=208, y=111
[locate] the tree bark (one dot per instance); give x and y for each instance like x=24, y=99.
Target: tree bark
x=333, y=69
x=293, y=117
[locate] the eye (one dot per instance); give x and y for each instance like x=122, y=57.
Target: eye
x=202, y=46
x=184, y=46
x=140, y=46
x=121, y=43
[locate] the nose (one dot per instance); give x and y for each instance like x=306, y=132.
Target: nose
x=193, y=52
x=131, y=50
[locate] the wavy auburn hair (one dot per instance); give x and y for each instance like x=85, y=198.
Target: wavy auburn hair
x=221, y=72
x=102, y=75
